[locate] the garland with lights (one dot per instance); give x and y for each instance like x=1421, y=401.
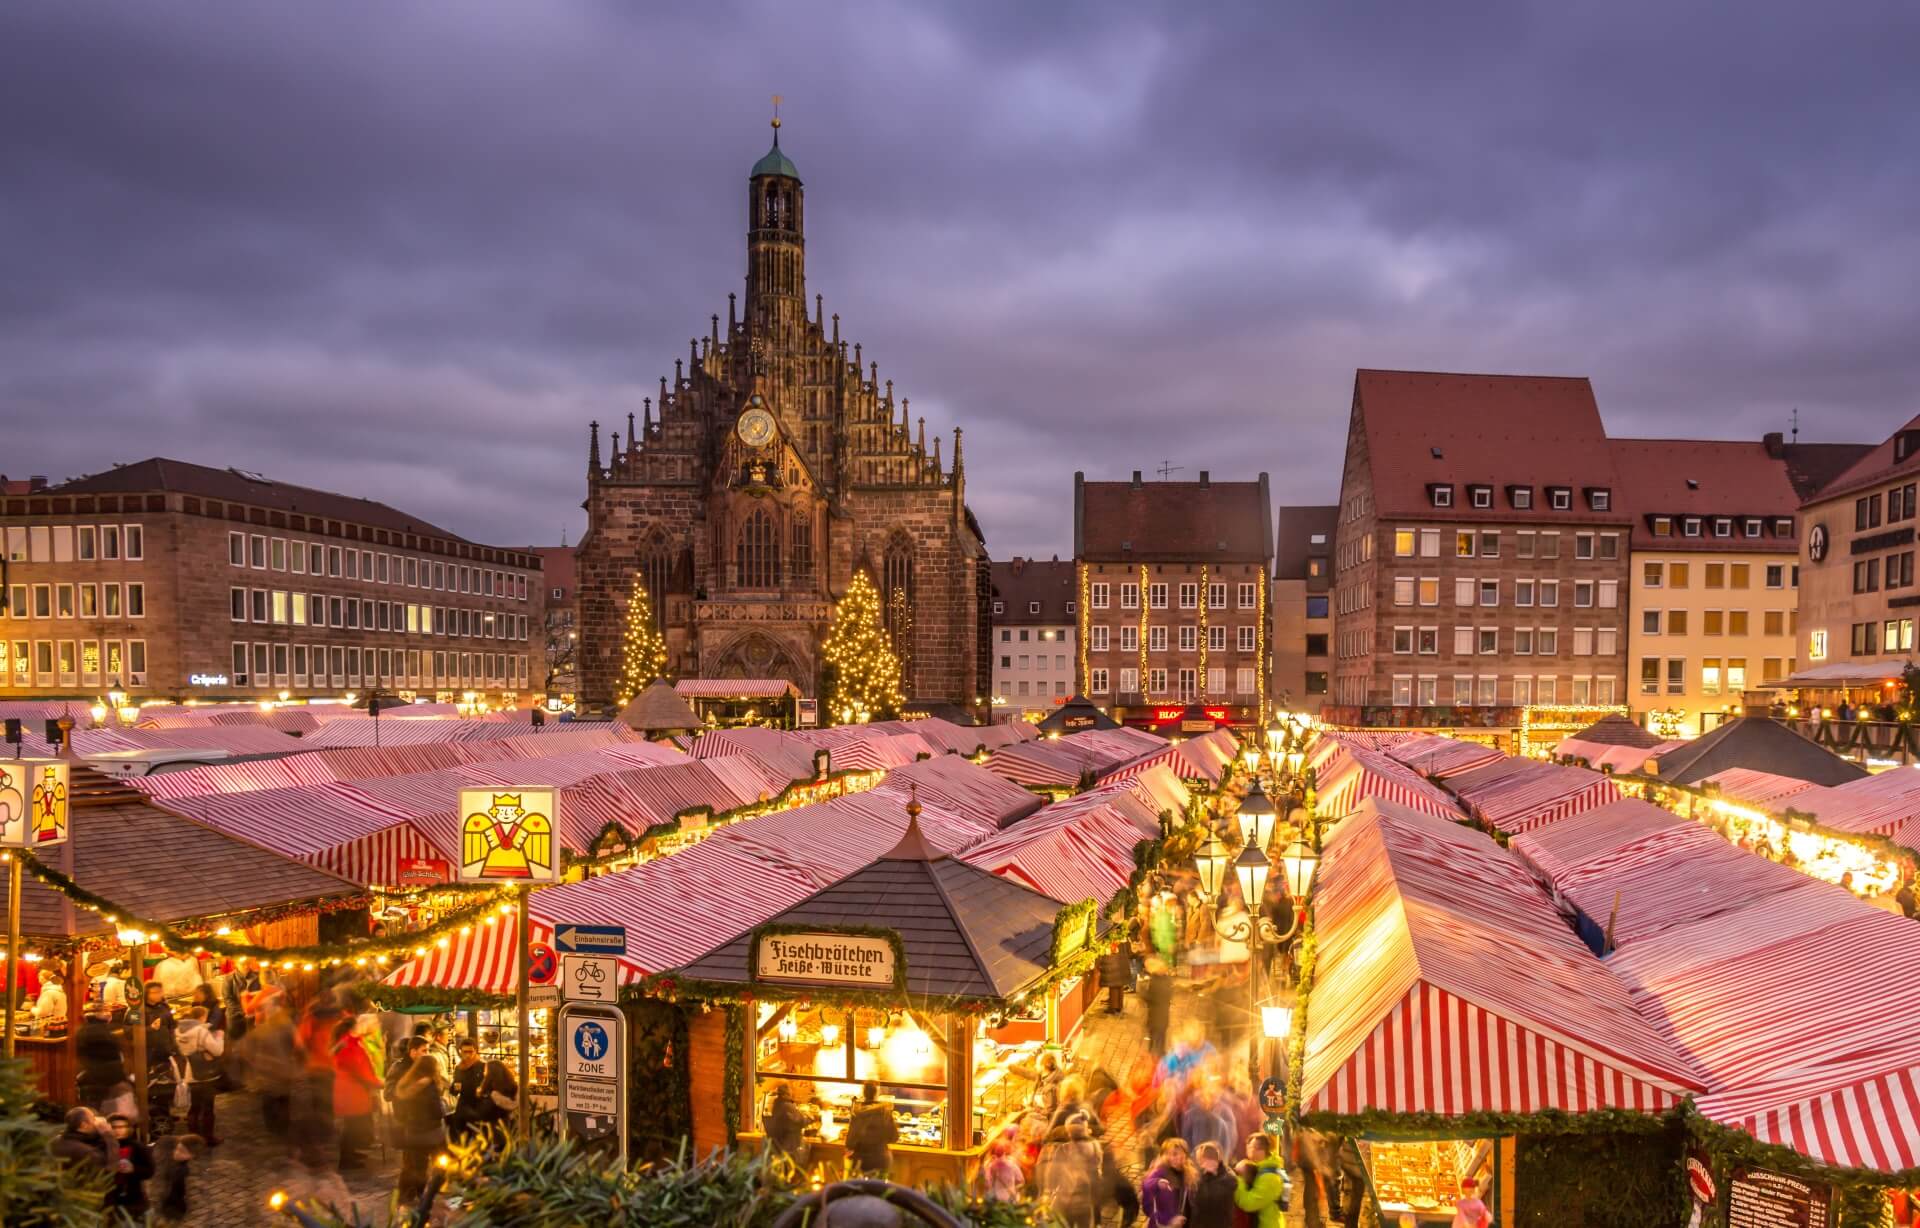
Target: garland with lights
x=1204, y=603
x=357, y=950
x=644, y=650
x=863, y=669
x=1085, y=615
x=1145, y=588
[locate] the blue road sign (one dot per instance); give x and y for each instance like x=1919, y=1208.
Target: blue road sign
x=591, y=939
x=590, y=1040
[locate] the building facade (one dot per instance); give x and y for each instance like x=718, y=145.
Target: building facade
x=1174, y=605
x=1858, y=600
x=164, y=579
x=1303, y=607
x=778, y=464
x=1481, y=559
x=1035, y=621
x=560, y=625
x=1716, y=571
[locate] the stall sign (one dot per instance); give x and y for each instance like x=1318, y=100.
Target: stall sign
x=826, y=957
x=1196, y=726
x=1073, y=939
x=806, y=713
x=1700, y=1179
x=1273, y=1096
x=593, y=1077
x=33, y=803
x=1759, y=1198
x=1162, y=715
x=507, y=835
x=412, y=870
x=1077, y=722
x=207, y=679
x=590, y=978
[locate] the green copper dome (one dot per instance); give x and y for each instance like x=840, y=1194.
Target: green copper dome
x=776, y=163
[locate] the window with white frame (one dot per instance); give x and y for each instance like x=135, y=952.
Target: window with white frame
x=237, y=549
x=1248, y=596
x=1489, y=640
x=1189, y=637
x=1582, y=594
x=1189, y=596
x=1523, y=641
x=1403, y=639
x=1243, y=638
x=1522, y=690
x=1583, y=641
x=1157, y=638
x=1465, y=590
x=1402, y=690
x=1463, y=641
x=1217, y=595
x=1403, y=590
x=1489, y=592
x=1487, y=690
x=1157, y=596
x=1098, y=681
x=1097, y=638
x=1606, y=641
x=1546, y=642
x=1216, y=638
x=1549, y=592
x=1243, y=683
x=1429, y=690
x=1429, y=543
x=1157, y=682
x=1427, y=641
x=1609, y=594
x=1523, y=592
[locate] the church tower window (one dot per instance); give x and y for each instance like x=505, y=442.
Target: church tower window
x=800, y=560
x=757, y=553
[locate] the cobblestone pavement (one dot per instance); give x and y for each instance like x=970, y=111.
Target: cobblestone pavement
x=231, y=1183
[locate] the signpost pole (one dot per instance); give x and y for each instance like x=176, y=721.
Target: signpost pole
x=13, y=942
x=524, y=961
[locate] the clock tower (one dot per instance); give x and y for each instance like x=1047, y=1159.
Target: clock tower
x=769, y=469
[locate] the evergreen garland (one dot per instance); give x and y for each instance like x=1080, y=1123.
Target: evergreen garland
x=643, y=649
x=865, y=671
x=736, y=1073
x=37, y=1190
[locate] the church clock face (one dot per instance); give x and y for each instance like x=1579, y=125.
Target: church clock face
x=756, y=425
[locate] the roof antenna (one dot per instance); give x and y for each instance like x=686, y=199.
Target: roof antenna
x=1167, y=467
x=1796, y=424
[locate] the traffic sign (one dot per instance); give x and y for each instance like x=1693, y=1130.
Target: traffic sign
x=590, y=978
x=593, y=1076
x=591, y=939
x=542, y=964
x=543, y=997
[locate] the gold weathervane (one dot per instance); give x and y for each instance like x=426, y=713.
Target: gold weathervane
x=776, y=115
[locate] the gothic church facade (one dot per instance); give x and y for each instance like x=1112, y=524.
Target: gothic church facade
x=772, y=467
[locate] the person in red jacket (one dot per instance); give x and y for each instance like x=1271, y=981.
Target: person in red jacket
x=356, y=1089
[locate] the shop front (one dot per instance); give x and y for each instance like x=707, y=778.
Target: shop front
x=919, y=984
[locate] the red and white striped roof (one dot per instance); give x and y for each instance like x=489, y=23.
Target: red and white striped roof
x=1356, y=774
x=1446, y=983
x=734, y=688
x=1755, y=788
x=1077, y=849
x=234, y=739
x=1518, y=795
x=1437, y=756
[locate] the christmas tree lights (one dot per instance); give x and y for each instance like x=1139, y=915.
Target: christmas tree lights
x=644, y=650
x=864, y=673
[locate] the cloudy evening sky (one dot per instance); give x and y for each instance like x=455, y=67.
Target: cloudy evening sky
x=408, y=250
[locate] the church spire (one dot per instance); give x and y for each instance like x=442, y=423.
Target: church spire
x=776, y=248
x=593, y=448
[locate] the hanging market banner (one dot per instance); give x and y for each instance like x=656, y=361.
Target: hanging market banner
x=1758, y=1198
x=507, y=835
x=864, y=959
x=33, y=803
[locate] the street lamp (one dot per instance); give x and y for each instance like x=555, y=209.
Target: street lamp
x=1276, y=735
x=1210, y=860
x=1251, y=869
x=1256, y=817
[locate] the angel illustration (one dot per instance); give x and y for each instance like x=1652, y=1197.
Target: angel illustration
x=506, y=840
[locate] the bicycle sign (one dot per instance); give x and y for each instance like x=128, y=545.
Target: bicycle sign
x=590, y=978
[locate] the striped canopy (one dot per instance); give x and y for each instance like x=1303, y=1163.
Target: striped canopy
x=1446, y=983
x=1356, y=774
x=1517, y=795
x=1077, y=849
x=1438, y=757
x=1755, y=788
x=1887, y=804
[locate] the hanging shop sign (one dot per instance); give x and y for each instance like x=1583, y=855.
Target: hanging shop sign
x=33, y=803
x=1759, y=1198
x=827, y=957
x=206, y=679
x=593, y=1077
x=507, y=835
x=806, y=713
x=418, y=871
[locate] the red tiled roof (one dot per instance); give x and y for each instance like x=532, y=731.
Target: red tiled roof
x=1146, y=522
x=1293, y=545
x=1876, y=466
x=1018, y=582
x=159, y=473
x=1704, y=478
x=1814, y=466
x=1497, y=430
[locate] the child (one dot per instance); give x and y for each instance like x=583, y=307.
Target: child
x=172, y=1154
x=1468, y=1210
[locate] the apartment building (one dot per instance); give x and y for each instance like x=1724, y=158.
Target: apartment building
x=1858, y=600
x=560, y=625
x=1481, y=557
x=168, y=579
x=1035, y=624
x=1303, y=607
x=1173, y=595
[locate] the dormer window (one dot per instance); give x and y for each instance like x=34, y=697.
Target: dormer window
x=1440, y=493
x=1752, y=526
x=1520, y=497
x=1783, y=526
x=1033, y=607
x=1723, y=526
x=1560, y=498
x=1690, y=526
x=1663, y=526
x=1070, y=607
x=1480, y=496
x=1599, y=498
x=999, y=607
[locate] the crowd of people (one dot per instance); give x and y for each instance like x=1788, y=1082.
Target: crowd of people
x=333, y=1078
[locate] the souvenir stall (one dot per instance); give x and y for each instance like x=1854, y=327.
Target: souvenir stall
x=935, y=981
x=1411, y=973
x=126, y=875
x=726, y=702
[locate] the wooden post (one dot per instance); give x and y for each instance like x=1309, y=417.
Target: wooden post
x=13, y=942
x=522, y=960
x=750, y=1038
x=959, y=1081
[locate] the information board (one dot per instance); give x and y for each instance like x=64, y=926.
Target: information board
x=1759, y=1198
x=593, y=1077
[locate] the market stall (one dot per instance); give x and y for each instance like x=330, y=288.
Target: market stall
x=933, y=981
x=1518, y=794
x=726, y=702
x=1357, y=774
x=1437, y=756
x=126, y=862
x=1441, y=1025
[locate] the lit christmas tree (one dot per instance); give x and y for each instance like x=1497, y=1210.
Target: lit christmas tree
x=644, y=649
x=863, y=674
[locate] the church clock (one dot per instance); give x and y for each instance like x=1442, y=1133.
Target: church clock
x=756, y=425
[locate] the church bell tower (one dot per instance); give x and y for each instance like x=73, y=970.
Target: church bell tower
x=776, y=243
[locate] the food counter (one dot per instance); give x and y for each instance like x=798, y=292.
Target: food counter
x=1415, y=1182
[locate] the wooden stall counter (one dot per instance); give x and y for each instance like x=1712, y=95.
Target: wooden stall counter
x=912, y=1165
x=50, y=1058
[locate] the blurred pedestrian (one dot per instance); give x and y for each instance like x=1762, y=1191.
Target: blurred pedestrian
x=173, y=1156
x=871, y=1134
x=1210, y=1203
x=419, y=1123
x=201, y=1048
x=97, y=1050
x=133, y=1165
x=355, y=1091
